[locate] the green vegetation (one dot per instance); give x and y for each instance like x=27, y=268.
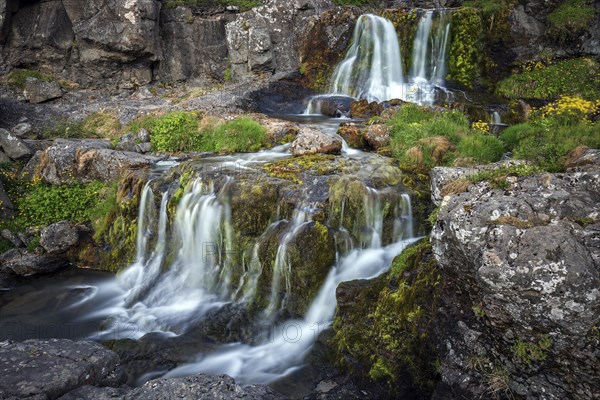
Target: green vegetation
x=176, y=131
x=242, y=4
x=466, y=50
x=528, y=352
x=240, y=135
x=18, y=77
x=575, y=77
x=98, y=125
x=553, y=132
x=481, y=148
x=393, y=315
x=571, y=17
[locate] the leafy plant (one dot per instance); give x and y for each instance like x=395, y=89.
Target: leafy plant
x=240, y=135
x=481, y=148
x=176, y=131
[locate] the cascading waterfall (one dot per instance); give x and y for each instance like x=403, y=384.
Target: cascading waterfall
x=290, y=342
x=372, y=68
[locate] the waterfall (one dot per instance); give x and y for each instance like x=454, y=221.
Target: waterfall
x=372, y=67
x=290, y=342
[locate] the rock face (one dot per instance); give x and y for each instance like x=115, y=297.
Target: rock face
x=38, y=91
x=24, y=263
x=526, y=259
x=311, y=141
x=47, y=369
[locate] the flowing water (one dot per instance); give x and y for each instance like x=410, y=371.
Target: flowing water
x=372, y=67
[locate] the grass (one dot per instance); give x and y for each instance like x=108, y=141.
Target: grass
x=575, y=77
x=98, y=125
x=176, y=131
x=242, y=4
x=18, y=77
x=571, y=17
x=240, y=135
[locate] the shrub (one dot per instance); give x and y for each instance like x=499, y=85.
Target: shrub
x=240, y=135
x=481, y=148
x=466, y=46
x=176, y=131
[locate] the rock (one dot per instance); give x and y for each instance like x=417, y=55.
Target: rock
x=22, y=130
x=25, y=263
x=352, y=134
x=143, y=148
x=48, y=369
x=4, y=158
x=362, y=109
x=11, y=237
x=39, y=91
x=96, y=393
x=14, y=147
x=311, y=140
x=377, y=136
x=106, y=165
x=527, y=259
x=6, y=206
x=59, y=237
x=331, y=106
x=28, y=172
x=127, y=143
x=143, y=136
x=442, y=176
x=200, y=387
x=583, y=159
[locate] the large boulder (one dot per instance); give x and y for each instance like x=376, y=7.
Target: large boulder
x=377, y=136
x=59, y=237
x=24, y=263
x=39, y=91
x=47, y=369
x=526, y=260
x=312, y=140
x=14, y=147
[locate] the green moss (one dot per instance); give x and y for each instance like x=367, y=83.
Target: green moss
x=571, y=18
x=242, y=4
x=466, y=49
x=575, y=77
x=176, y=131
x=18, y=77
x=497, y=177
x=528, y=352
x=240, y=135
x=383, y=336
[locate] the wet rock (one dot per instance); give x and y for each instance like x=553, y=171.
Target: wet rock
x=311, y=140
x=59, y=237
x=6, y=206
x=39, y=91
x=106, y=165
x=352, y=134
x=200, y=386
x=23, y=129
x=362, y=109
x=331, y=106
x=377, y=136
x=51, y=368
x=11, y=237
x=14, y=147
x=527, y=259
x=25, y=263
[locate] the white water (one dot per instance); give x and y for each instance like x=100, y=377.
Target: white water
x=372, y=68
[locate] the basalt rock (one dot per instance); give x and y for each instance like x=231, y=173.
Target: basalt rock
x=59, y=237
x=24, y=263
x=39, y=91
x=14, y=147
x=526, y=260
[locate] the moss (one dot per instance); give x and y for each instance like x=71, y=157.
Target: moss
x=466, y=49
x=242, y=4
x=571, y=18
x=386, y=339
x=18, y=77
x=103, y=124
x=294, y=168
x=535, y=351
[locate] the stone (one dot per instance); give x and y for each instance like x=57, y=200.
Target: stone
x=11, y=237
x=97, y=393
x=106, y=165
x=312, y=140
x=362, y=109
x=14, y=147
x=200, y=386
x=23, y=129
x=377, y=136
x=331, y=106
x=143, y=148
x=48, y=369
x=39, y=91
x=6, y=206
x=59, y=237
x=25, y=263
x=352, y=134
x=127, y=143
x=4, y=158
x=143, y=136
x=583, y=158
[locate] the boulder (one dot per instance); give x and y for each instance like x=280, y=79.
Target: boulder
x=106, y=165
x=39, y=91
x=11, y=237
x=331, y=106
x=143, y=136
x=4, y=158
x=312, y=140
x=200, y=386
x=127, y=143
x=583, y=159
x=526, y=259
x=362, y=109
x=14, y=147
x=96, y=393
x=59, y=237
x=48, y=369
x=377, y=136
x=25, y=263
x=352, y=134
x=23, y=129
